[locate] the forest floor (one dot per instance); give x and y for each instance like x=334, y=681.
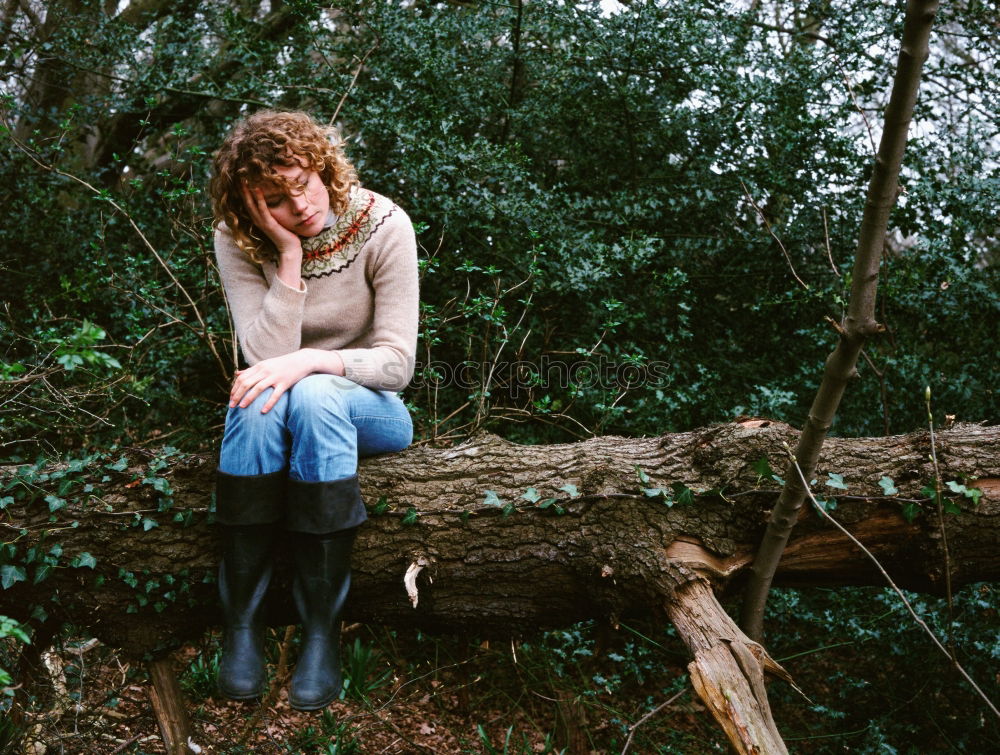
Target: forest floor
x=417, y=694
x=872, y=686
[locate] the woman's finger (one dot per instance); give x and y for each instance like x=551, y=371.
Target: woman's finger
x=253, y=392
x=242, y=384
x=275, y=395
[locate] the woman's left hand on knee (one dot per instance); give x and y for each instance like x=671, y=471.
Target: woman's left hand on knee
x=279, y=373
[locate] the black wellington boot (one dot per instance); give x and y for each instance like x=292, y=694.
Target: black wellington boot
x=322, y=580
x=247, y=509
x=323, y=518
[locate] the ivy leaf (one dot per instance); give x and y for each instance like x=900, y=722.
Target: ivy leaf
x=683, y=493
x=119, y=466
x=546, y=503
x=836, y=481
x=570, y=490
x=6, y=501
x=643, y=477
x=411, y=516
x=508, y=509
x=950, y=507
x=531, y=495
x=84, y=560
x=55, y=503
x=973, y=493
x=42, y=572
x=160, y=484
x=763, y=467
x=910, y=511
x=492, y=499
x=10, y=574
x=888, y=486
x=827, y=504
x=148, y=524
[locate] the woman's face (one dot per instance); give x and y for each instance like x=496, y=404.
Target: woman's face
x=304, y=210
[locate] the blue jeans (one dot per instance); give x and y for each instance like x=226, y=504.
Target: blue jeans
x=317, y=430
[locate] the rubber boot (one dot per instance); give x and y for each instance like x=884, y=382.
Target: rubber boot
x=322, y=518
x=322, y=580
x=247, y=509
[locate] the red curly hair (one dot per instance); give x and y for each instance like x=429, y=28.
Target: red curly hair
x=248, y=156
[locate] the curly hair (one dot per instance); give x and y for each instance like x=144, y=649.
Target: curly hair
x=248, y=156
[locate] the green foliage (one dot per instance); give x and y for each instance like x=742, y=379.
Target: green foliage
x=853, y=652
x=331, y=737
x=616, y=166
x=10, y=628
x=198, y=680
x=365, y=670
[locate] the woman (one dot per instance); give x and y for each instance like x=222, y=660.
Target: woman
x=321, y=279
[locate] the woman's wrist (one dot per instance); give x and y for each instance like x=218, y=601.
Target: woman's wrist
x=290, y=266
x=328, y=362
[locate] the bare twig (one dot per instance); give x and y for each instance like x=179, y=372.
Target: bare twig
x=826, y=238
x=641, y=721
x=944, y=536
x=354, y=80
x=770, y=230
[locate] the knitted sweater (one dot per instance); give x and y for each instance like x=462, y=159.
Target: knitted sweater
x=360, y=295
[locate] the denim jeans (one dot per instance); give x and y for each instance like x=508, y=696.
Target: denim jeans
x=317, y=430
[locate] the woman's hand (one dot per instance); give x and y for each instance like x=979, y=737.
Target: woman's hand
x=279, y=373
x=284, y=240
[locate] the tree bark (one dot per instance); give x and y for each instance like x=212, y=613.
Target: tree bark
x=511, y=569
x=613, y=552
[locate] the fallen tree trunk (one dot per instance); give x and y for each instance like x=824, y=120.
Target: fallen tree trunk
x=496, y=538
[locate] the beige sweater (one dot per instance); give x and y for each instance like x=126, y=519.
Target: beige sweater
x=360, y=297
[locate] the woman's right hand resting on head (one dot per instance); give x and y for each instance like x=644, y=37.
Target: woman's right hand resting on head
x=287, y=243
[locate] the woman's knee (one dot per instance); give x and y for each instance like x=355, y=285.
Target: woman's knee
x=319, y=394
x=252, y=419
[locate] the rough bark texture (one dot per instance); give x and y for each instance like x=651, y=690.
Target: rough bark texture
x=613, y=552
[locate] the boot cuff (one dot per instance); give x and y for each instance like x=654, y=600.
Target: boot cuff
x=320, y=508
x=249, y=499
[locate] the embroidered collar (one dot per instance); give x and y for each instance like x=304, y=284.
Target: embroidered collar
x=334, y=248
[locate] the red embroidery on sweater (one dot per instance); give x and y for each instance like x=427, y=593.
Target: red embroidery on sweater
x=349, y=236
